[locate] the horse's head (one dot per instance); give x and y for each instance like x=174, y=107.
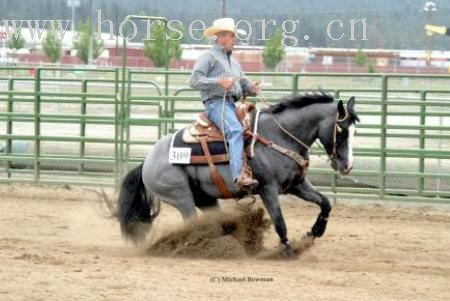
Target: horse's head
x=336, y=133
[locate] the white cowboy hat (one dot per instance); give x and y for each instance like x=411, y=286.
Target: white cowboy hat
x=219, y=25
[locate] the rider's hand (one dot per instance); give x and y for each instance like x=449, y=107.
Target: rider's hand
x=226, y=82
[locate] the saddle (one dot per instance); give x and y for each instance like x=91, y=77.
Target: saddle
x=205, y=128
x=204, y=132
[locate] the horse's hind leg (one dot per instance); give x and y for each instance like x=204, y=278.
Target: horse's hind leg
x=203, y=200
x=171, y=187
x=183, y=200
x=206, y=202
x=307, y=192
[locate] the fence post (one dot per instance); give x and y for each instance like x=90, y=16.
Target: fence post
x=37, y=125
x=117, y=128
x=121, y=120
x=126, y=121
x=9, y=124
x=83, y=124
x=384, y=107
x=295, y=83
x=421, y=183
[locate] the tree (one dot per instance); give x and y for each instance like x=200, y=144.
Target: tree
x=16, y=40
x=81, y=42
x=360, y=58
x=274, y=51
x=371, y=68
x=155, y=49
x=52, y=46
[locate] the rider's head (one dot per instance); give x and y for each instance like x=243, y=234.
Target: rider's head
x=224, y=31
x=226, y=39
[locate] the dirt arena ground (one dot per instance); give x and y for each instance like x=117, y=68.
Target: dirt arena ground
x=55, y=244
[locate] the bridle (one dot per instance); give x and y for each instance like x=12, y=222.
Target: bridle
x=337, y=129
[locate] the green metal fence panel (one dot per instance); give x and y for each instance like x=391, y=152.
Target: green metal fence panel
x=89, y=126
x=55, y=121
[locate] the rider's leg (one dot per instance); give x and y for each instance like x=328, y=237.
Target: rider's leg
x=229, y=124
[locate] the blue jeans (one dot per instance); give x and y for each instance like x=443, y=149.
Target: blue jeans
x=234, y=133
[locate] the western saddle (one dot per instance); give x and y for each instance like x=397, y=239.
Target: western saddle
x=204, y=130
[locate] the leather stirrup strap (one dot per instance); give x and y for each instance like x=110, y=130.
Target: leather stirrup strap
x=216, y=177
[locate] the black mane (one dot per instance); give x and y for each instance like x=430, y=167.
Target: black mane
x=300, y=101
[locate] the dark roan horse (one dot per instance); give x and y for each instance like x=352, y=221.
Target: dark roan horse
x=293, y=123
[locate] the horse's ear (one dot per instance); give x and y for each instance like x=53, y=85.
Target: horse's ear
x=351, y=103
x=342, y=111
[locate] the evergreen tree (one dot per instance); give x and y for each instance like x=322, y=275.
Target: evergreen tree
x=155, y=48
x=81, y=42
x=52, y=46
x=360, y=58
x=16, y=40
x=274, y=51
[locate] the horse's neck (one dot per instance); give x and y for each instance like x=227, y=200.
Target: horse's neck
x=302, y=129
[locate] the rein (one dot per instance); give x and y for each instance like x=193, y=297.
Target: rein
x=337, y=129
x=299, y=159
x=281, y=127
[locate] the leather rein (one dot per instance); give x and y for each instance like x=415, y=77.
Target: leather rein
x=299, y=159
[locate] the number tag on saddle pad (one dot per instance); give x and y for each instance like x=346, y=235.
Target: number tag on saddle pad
x=180, y=155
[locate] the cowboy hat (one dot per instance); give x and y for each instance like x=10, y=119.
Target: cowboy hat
x=219, y=25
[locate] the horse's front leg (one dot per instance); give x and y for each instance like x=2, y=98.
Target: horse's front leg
x=269, y=195
x=306, y=191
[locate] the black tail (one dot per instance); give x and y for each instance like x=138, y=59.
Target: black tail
x=135, y=211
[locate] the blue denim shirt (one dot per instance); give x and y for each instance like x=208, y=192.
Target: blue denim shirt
x=216, y=64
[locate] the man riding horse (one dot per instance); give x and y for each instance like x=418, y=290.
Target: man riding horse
x=283, y=134
x=220, y=79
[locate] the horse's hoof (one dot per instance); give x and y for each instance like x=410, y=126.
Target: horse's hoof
x=289, y=253
x=308, y=238
x=319, y=227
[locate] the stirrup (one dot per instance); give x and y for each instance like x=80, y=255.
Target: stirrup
x=246, y=183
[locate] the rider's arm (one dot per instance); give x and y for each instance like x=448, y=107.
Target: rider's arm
x=200, y=78
x=247, y=86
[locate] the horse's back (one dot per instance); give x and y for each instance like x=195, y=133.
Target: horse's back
x=156, y=166
x=160, y=176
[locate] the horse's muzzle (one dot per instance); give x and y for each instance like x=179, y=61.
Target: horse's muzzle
x=343, y=170
x=346, y=171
